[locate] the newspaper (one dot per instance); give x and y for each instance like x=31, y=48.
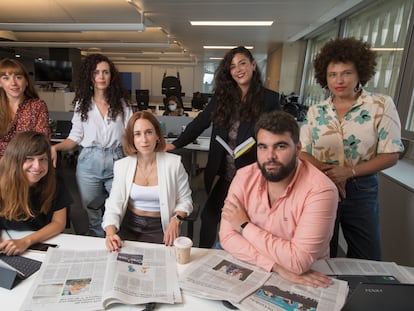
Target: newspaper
x=95, y=279
x=219, y=275
x=280, y=294
x=352, y=266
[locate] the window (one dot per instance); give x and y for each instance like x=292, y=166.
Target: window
x=385, y=28
x=313, y=92
x=405, y=95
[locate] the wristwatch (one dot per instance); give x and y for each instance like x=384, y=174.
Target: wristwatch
x=242, y=226
x=179, y=218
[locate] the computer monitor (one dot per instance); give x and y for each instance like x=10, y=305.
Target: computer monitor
x=142, y=98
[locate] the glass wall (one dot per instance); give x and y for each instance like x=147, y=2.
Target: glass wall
x=385, y=27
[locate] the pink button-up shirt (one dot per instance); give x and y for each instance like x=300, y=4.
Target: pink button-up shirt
x=292, y=233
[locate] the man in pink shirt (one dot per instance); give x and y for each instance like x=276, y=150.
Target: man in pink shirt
x=279, y=212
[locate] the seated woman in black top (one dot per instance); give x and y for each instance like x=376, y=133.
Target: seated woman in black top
x=29, y=198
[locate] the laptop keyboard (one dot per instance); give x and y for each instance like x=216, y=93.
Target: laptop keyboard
x=26, y=266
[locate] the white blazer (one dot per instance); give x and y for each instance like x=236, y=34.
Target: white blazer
x=175, y=192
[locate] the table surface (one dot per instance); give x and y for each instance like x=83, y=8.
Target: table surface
x=11, y=300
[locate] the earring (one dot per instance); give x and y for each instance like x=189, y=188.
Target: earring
x=358, y=88
x=91, y=87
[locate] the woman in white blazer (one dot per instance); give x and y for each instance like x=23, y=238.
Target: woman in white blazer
x=150, y=193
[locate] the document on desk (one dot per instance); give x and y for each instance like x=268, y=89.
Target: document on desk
x=351, y=266
x=279, y=294
x=94, y=279
x=220, y=276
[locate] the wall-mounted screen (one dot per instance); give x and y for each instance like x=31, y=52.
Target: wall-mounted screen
x=53, y=71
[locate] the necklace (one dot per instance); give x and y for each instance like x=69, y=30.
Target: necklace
x=148, y=173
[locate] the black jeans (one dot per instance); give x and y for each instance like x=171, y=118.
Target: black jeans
x=358, y=215
x=211, y=214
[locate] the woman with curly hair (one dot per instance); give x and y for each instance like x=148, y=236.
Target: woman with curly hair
x=239, y=99
x=351, y=136
x=20, y=106
x=31, y=198
x=98, y=124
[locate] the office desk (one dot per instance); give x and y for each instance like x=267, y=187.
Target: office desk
x=11, y=300
x=200, y=144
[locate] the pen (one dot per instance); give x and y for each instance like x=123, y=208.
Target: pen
x=8, y=234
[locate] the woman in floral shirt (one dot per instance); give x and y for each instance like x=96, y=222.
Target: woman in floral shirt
x=20, y=107
x=351, y=136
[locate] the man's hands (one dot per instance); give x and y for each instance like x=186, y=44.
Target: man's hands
x=234, y=213
x=309, y=278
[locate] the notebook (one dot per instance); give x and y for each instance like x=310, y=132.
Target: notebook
x=14, y=269
x=373, y=297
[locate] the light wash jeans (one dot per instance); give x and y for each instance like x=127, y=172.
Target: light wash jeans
x=94, y=174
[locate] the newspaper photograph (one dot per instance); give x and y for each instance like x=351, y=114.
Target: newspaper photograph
x=221, y=276
x=279, y=294
x=92, y=280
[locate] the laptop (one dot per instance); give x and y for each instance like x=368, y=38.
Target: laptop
x=381, y=296
x=14, y=269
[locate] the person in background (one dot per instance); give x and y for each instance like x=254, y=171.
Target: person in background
x=31, y=198
x=280, y=212
x=98, y=123
x=150, y=194
x=20, y=107
x=351, y=136
x=174, y=107
x=239, y=99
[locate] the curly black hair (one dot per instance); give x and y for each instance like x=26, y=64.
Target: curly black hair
x=116, y=95
x=345, y=50
x=229, y=94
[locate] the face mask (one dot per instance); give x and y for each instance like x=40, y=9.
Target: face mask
x=172, y=107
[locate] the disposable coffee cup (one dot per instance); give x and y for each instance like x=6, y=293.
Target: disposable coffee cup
x=183, y=246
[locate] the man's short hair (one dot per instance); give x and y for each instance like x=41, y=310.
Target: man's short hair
x=278, y=122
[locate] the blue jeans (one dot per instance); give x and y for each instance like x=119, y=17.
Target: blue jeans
x=94, y=174
x=358, y=215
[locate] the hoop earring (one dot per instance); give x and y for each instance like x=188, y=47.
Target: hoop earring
x=358, y=88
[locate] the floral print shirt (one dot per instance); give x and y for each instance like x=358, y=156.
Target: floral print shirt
x=31, y=115
x=370, y=127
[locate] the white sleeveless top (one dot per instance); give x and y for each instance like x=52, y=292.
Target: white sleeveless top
x=145, y=198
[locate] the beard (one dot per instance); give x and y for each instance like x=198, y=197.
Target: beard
x=278, y=173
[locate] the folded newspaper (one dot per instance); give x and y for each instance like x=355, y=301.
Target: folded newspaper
x=278, y=294
x=220, y=276
x=95, y=279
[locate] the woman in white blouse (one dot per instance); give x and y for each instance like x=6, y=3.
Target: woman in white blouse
x=150, y=194
x=98, y=124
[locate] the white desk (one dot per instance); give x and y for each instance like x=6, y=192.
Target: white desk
x=11, y=300
x=200, y=144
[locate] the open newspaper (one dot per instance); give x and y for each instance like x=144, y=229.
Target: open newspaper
x=94, y=279
x=278, y=294
x=218, y=275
